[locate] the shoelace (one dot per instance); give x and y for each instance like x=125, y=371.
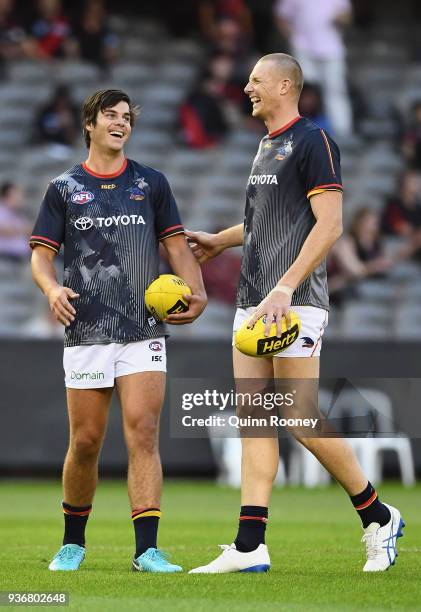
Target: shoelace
x=67, y=553
x=225, y=547
x=372, y=545
x=159, y=555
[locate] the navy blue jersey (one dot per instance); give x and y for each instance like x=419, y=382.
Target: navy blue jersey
x=292, y=164
x=110, y=226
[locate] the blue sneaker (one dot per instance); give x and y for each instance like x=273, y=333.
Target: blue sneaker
x=68, y=558
x=154, y=560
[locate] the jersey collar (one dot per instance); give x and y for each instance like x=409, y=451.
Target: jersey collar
x=106, y=176
x=284, y=127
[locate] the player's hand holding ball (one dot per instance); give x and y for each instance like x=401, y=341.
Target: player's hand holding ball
x=171, y=300
x=275, y=307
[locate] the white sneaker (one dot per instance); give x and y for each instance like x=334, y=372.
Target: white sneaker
x=381, y=542
x=232, y=560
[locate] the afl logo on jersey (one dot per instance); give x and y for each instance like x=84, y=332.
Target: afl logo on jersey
x=82, y=197
x=83, y=223
x=155, y=346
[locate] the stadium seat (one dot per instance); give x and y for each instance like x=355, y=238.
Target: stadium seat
x=131, y=74
x=378, y=290
x=164, y=95
x=365, y=319
x=362, y=405
x=408, y=317
x=187, y=162
x=138, y=49
x=406, y=270
x=29, y=72
x=74, y=73
x=158, y=116
x=184, y=49
x=369, y=450
x=178, y=72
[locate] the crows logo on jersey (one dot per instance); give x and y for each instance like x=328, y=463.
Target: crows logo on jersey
x=137, y=191
x=285, y=149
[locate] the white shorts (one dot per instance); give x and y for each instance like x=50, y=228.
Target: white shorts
x=313, y=323
x=98, y=365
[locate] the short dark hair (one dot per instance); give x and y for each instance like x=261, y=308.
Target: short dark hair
x=6, y=188
x=99, y=101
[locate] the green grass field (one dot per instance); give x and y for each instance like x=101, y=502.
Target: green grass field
x=314, y=540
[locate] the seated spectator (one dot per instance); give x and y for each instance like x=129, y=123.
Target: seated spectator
x=57, y=121
x=230, y=39
x=15, y=228
x=12, y=34
x=411, y=141
x=402, y=214
x=50, y=31
x=357, y=255
x=311, y=106
x=228, y=13
x=222, y=69
x=97, y=43
x=202, y=119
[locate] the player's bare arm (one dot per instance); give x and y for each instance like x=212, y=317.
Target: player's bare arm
x=327, y=209
x=207, y=246
x=185, y=265
x=44, y=275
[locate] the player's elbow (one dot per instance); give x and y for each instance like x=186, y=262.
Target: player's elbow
x=337, y=230
x=332, y=230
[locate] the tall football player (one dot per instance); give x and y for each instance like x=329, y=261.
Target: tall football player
x=293, y=216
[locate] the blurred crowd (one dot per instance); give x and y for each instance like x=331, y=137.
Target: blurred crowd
x=43, y=30
x=235, y=34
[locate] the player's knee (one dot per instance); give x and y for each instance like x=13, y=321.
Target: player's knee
x=86, y=445
x=142, y=434
x=310, y=443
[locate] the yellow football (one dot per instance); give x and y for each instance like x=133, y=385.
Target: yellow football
x=164, y=296
x=253, y=342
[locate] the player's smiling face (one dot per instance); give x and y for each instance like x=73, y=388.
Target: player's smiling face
x=112, y=128
x=263, y=89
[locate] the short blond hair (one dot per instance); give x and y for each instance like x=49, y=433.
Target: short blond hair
x=289, y=66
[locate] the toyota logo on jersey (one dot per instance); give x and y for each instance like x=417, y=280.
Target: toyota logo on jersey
x=82, y=197
x=83, y=223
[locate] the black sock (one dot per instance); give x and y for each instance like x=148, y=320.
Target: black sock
x=75, y=519
x=370, y=508
x=145, y=523
x=251, y=528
